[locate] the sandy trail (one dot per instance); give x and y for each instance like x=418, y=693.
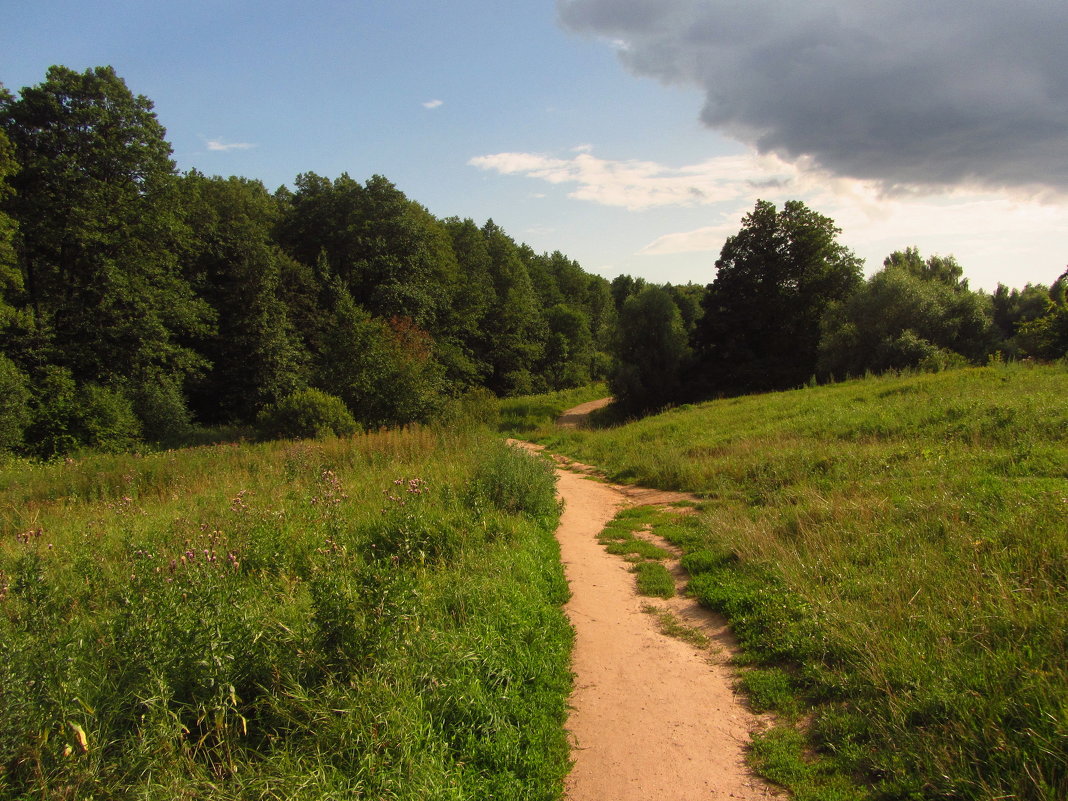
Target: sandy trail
x=652, y=717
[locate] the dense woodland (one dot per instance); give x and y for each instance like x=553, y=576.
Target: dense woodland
x=139, y=304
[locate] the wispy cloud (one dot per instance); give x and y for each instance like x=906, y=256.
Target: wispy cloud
x=987, y=228
x=219, y=145
x=433, y=103
x=639, y=185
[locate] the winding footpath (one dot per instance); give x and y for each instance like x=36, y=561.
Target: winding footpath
x=652, y=717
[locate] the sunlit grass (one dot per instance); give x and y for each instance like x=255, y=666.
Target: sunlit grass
x=897, y=549
x=530, y=416
x=368, y=617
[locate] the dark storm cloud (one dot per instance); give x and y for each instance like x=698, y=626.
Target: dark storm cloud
x=909, y=92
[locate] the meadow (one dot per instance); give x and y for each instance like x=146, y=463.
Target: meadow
x=893, y=555
x=377, y=616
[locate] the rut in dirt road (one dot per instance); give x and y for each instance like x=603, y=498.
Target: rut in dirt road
x=652, y=717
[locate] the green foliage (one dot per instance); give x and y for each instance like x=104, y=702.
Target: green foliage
x=106, y=419
x=11, y=282
x=891, y=553
x=160, y=405
x=911, y=314
x=14, y=404
x=774, y=280
x=98, y=227
x=306, y=413
x=651, y=352
x=383, y=372
x=1046, y=337
x=217, y=623
x=66, y=417
x=256, y=357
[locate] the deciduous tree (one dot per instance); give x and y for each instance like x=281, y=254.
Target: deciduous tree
x=774, y=279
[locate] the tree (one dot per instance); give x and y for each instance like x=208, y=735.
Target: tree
x=569, y=349
x=256, y=357
x=652, y=355
x=99, y=230
x=384, y=372
x=1046, y=337
x=912, y=313
x=393, y=256
x=10, y=277
x=514, y=329
x=775, y=277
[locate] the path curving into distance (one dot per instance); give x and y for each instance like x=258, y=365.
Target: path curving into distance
x=652, y=717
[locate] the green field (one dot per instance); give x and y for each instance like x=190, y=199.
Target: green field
x=893, y=555
x=372, y=617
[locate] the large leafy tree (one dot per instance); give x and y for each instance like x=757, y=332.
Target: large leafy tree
x=99, y=232
x=232, y=259
x=912, y=313
x=10, y=277
x=393, y=256
x=761, y=324
x=1046, y=337
x=652, y=354
x=514, y=328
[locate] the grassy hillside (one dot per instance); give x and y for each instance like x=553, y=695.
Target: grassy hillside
x=373, y=617
x=895, y=552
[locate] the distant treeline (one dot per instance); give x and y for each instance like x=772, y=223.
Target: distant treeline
x=138, y=303
x=789, y=306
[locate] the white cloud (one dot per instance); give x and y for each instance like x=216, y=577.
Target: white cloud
x=221, y=146
x=639, y=185
x=997, y=236
x=433, y=103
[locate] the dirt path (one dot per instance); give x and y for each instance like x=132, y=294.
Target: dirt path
x=652, y=716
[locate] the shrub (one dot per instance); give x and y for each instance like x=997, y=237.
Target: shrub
x=306, y=414
x=14, y=404
x=106, y=419
x=517, y=482
x=160, y=405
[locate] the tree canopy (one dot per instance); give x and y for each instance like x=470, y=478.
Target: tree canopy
x=760, y=328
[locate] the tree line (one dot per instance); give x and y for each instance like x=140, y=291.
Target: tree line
x=140, y=304
x=789, y=306
x=137, y=302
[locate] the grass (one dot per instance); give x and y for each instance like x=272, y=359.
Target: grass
x=654, y=580
x=895, y=551
x=368, y=617
x=530, y=416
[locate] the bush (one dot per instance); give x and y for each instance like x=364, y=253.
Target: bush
x=160, y=405
x=306, y=414
x=66, y=417
x=517, y=482
x=14, y=405
x=106, y=419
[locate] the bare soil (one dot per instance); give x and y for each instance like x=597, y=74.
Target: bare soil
x=652, y=717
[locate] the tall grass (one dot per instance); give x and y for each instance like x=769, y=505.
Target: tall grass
x=369, y=617
x=895, y=550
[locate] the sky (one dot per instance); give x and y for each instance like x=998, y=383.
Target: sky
x=631, y=135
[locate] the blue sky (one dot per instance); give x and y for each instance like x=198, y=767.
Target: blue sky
x=624, y=133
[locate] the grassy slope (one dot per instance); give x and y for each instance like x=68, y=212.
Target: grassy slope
x=531, y=415
x=284, y=621
x=896, y=551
